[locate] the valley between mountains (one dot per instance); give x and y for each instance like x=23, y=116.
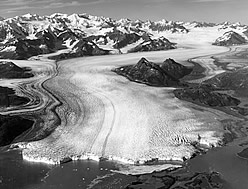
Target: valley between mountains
x=105, y=115
x=78, y=80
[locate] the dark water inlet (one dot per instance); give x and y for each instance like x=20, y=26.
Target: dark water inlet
x=18, y=173
x=224, y=160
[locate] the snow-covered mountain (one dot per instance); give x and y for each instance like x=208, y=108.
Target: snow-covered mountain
x=230, y=38
x=24, y=36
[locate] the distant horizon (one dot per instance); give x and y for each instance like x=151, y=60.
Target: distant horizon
x=185, y=21
x=210, y=11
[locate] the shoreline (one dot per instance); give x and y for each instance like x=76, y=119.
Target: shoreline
x=132, y=170
x=86, y=157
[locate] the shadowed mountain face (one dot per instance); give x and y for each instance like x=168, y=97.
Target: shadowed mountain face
x=11, y=127
x=9, y=70
x=235, y=80
x=246, y=33
x=205, y=95
x=154, y=45
x=212, y=92
x=9, y=98
x=26, y=48
x=82, y=48
x=165, y=75
x=29, y=35
x=47, y=42
x=167, y=26
x=230, y=38
x=175, y=69
x=203, y=24
x=122, y=39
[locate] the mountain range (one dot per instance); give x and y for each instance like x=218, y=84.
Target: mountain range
x=22, y=37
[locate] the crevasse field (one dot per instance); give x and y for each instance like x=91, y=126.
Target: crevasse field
x=105, y=115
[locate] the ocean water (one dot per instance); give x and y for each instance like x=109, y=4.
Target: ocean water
x=77, y=174
x=224, y=160
x=16, y=173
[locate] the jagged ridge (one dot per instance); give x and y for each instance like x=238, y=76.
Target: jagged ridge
x=165, y=75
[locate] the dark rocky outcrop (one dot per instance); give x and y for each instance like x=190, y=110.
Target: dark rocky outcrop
x=49, y=39
x=65, y=160
x=148, y=181
x=119, y=38
x=9, y=70
x=166, y=180
x=215, y=92
x=26, y=48
x=204, y=94
x=203, y=24
x=175, y=69
x=85, y=48
x=9, y=98
x=126, y=39
x=68, y=35
x=11, y=127
x=167, y=26
x=82, y=48
x=243, y=153
x=3, y=33
x=211, y=93
x=230, y=38
x=122, y=39
x=98, y=39
x=246, y=33
x=46, y=42
x=236, y=80
x=154, y=45
x=165, y=75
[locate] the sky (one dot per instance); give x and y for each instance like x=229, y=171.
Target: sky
x=177, y=10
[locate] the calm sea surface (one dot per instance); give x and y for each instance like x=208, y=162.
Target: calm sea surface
x=17, y=173
x=224, y=160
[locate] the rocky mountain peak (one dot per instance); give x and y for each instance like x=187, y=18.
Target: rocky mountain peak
x=115, y=36
x=154, y=74
x=230, y=38
x=143, y=62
